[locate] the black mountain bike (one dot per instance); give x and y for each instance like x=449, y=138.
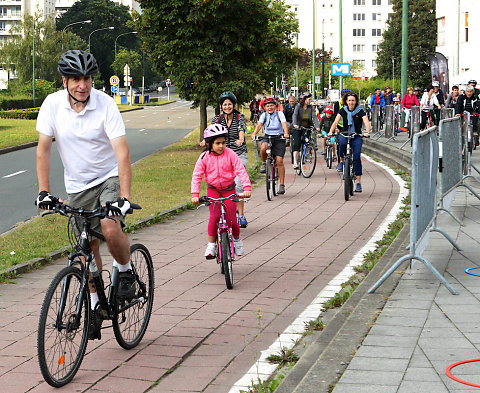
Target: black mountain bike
x=272, y=181
x=348, y=170
x=330, y=148
x=65, y=315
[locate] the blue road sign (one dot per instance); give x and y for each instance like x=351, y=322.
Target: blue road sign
x=114, y=89
x=340, y=69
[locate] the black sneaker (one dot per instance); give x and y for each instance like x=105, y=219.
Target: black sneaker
x=95, y=325
x=281, y=189
x=126, y=284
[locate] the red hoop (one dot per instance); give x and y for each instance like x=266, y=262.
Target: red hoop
x=449, y=374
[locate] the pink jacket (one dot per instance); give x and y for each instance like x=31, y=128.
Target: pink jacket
x=219, y=171
x=409, y=101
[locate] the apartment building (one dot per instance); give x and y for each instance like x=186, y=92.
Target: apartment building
x=363, y=23
x=458, y=29
x=64, y=5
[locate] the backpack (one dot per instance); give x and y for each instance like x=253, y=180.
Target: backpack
x=278, y=117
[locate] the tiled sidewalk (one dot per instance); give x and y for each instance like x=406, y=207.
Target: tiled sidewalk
x=203, y=337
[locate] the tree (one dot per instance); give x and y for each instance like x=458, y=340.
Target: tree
x=208, y=47
x=422, y=38
x=102, y=13
x=49, y=45
x=134, y=61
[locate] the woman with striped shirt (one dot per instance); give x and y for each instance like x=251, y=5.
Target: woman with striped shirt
x=236, y=124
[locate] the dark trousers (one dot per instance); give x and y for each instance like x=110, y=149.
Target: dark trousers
x=357, y=144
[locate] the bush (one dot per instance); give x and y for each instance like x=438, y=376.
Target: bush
x=153, y=99
x=29, y=114
x=19, y=102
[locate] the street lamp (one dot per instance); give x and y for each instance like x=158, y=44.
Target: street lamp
x=103, y=28
x=74, y=23
x=130, y=32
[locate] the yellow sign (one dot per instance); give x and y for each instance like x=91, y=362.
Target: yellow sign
x=114, y=80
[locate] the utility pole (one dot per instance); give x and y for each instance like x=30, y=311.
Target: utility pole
x=296, y=75
x=341, y=42
x=313, y=53
x=404, y=51
x=323, y=59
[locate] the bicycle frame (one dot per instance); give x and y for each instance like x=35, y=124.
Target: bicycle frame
x=223, y=227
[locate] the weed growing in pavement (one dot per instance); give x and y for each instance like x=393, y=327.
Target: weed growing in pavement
x=315, y=324
x=271, y=384
x=286, y=356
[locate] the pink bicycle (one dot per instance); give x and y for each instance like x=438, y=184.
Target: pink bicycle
x=225, y=248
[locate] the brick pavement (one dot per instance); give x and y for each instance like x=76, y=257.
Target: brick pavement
x=203, y=337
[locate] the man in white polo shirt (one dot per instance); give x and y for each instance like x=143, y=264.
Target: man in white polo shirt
x=90, y=138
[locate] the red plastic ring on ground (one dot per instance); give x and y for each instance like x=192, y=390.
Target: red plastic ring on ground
x=449, y=374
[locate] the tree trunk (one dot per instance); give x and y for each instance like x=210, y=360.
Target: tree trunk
x=203, y=116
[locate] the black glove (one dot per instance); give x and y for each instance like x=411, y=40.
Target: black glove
x=119, y=207
x=46, y=201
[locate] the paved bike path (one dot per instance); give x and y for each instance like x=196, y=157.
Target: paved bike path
x=203, y=337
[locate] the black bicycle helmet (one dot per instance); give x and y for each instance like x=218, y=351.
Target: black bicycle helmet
x=417, y=89
x=77, y=63
x=227, y=95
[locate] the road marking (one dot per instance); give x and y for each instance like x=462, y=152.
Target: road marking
x=263, y=369
x=13, y=174
x=142, y=129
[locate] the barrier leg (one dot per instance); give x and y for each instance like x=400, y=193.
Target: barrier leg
x=447, y=236
x=389, y=272
x=408, y=140
x=470, y=188
x=451, y=215
x=437, y=274
x=476, y=169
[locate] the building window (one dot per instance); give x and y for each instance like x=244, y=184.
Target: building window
x=390, y=2
x=376, y=32
x=359, y=48
x=466, y=26
x=3, y=26
x=441, y=31
x=358, y=2
x=359, y=32
x=358, y=16
x=375, y=48
x=374, y=63
x=359, y=63
x=376, y=16
x=376, y=2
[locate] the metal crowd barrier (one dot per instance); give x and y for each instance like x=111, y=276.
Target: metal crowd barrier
x=467, y=148
x=450, y=169
x=446, y=113
x=375, y=119
x=413, y=124
x=425, y=156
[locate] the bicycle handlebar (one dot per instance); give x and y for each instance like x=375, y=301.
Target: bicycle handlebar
x=207, y=199
x=259, y=138
x=101, y=212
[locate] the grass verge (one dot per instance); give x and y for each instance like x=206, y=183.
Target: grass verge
x=160, y=182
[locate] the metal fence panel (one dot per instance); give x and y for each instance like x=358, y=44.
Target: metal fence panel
x=446, y=113
x=415, y=124
x=451, y=155
x=389, y=120
x=424, y=182
x=375, y=118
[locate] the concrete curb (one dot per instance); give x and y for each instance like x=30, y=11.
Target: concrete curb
x=325, y=359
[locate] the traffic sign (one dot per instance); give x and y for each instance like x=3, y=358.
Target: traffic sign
x=317, y=79
x=340, y=69
x=114, y=89
x=114, y=80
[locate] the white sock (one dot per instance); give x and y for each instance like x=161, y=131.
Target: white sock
x=93, y=300
x=236, y=240
x=124, y=268
x=211, y=243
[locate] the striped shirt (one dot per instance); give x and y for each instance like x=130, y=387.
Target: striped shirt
x=239, y=123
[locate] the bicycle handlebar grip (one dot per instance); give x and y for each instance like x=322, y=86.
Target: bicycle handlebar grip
x=203, y=199
x=135, y=206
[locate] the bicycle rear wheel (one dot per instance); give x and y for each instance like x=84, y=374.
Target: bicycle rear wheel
x=308, y=160
x=268, y=178
x=61, y=344
x=291, y=147
x=227, y=259
x=131, y=317
x=347, y=181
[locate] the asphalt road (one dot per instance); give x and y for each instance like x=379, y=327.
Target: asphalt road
x=148, y=131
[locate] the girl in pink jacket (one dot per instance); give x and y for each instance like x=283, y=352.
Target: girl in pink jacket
x=220, y=165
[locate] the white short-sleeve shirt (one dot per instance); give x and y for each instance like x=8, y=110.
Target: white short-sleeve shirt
x=83, y=139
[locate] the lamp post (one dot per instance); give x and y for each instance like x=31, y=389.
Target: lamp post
x=393, y=73
x=313, y=52
x=130, y=32
x=103, y=28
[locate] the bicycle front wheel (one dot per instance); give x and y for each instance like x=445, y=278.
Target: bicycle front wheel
x=347, y=181
x=131, y=317
x=308, y=160
x=329, y=157
x=275, y=180
x=62, y=337
x=227, y=259
x=268, y=179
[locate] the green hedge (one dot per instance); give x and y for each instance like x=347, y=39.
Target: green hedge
x=18, y=102
x=29, y=114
